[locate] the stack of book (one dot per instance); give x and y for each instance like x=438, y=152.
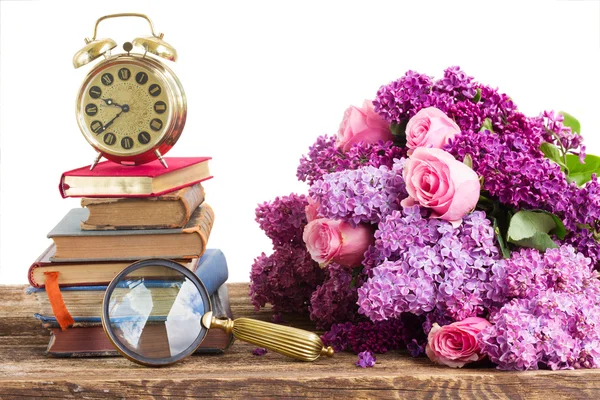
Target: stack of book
x=127, y=214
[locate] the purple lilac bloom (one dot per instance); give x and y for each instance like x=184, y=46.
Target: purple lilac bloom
x=364, y=195
x=430, y=265
x=456, y=83
x=528, y=273
x=375, y=337
x=366, y=359
x=335, y=299
x=558, y=330
x=337, y=336
x=563, y=136
x=325, y=157
x=283, y=219
x=286, y=279
x=259, y=351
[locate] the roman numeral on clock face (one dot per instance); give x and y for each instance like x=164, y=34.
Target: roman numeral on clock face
x=91, y=109
x=154, y=90
x=160, y=107
x=141, y=78
x=95, y=92
x=96, y=126
x=127, y=142
x=110, y=139
x=144, y=137
x=107, y=79
x=156, y=124
x=124, y=74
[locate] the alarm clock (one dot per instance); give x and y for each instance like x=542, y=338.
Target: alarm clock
x=131, y=107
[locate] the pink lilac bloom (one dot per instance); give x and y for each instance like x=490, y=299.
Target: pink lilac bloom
x=286, y=279
x=430, y=265
x=325, y=157
x=283, y=219
x=364, y=195
x=365, y=359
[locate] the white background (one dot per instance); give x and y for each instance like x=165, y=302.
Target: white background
x=263, y=80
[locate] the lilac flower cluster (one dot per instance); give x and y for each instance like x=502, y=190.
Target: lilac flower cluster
x=554, y=314
x=325, y=157
x=430, y=265
x=283, y=219
x=335, y=299
x=528, y=274
x=286, y=279
x=545, y=307
x=375, y=337
x=366, y=359
x=363, y=195
x=558, y=330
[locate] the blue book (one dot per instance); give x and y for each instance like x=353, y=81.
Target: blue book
x=85, y=302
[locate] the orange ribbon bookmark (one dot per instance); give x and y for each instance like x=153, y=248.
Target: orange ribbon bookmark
x=63, y=316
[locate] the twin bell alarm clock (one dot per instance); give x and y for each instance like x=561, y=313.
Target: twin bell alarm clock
x=131, y=107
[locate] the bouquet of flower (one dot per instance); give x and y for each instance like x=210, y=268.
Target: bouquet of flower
x=443, y=220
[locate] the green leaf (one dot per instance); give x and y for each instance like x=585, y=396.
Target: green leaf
x=553, y=153
x=540, y=241
x=582, y=173
x=468, y=161
x=477, y=97
x=487, y=126
x=571, y=122
x=399, y=133
x=532, y=228
x=501, y=243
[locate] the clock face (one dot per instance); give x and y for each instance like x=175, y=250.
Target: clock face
x=125, y=108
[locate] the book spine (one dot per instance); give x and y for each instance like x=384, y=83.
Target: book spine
x=190, y=200
x=212, y=270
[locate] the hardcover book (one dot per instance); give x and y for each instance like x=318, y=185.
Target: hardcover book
x=171, y=210
x=89, y=339
x=74, y=244
x=84, y=303
x=109, y=179
x=86, y=273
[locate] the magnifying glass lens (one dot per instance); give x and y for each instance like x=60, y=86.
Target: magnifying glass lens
x=154, y=314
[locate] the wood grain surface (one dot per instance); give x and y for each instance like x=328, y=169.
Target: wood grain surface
x=26, y=373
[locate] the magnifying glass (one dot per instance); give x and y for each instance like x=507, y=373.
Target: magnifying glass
x=157, y=312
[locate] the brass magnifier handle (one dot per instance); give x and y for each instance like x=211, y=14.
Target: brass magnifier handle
x=292, y=342
x=125, y=15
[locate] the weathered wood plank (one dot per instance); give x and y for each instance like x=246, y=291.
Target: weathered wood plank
x=26, y=373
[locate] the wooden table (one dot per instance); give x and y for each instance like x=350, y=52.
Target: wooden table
x=26, y=373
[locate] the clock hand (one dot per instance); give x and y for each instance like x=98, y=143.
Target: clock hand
x=109, y=123
x=109, y=102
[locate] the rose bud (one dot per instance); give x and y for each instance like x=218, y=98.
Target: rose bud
x=337, y=241
x=362, y=125
x=456, y=344
x=430, y=127
x=436, y=180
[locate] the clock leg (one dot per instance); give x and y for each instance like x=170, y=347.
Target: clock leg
x=98, y=157
x=161, y=159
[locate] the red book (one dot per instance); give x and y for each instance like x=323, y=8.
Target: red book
x=109, y=179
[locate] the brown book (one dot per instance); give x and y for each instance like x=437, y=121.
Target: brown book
x=84, y=273
x=74, y=244
x=89, y=339
x=172, y=210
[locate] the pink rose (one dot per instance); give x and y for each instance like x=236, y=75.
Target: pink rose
x=456, y=344
x=436, y=180
x=430, y=127
x=311, y=209
x=337, y=241
x=362, y=125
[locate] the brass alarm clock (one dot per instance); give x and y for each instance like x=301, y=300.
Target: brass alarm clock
x=131, y=107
